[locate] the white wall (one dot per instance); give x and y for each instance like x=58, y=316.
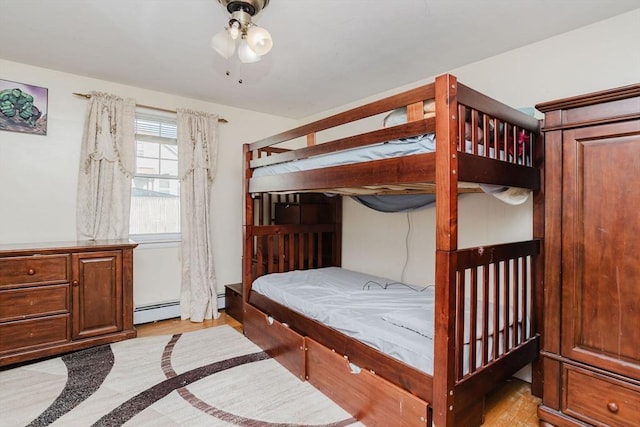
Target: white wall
x=597, y=57
x=39, y=177
x=390, y=244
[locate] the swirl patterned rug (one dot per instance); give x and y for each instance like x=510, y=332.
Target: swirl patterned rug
x=212, y=377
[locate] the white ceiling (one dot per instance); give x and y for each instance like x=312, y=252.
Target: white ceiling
x=327, y=53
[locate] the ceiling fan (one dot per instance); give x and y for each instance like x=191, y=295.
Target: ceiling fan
x=241, y=34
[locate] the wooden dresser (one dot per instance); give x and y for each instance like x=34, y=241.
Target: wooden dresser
x=591, y=328
x=61, y=297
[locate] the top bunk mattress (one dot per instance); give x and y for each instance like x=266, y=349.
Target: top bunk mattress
x=396, y=148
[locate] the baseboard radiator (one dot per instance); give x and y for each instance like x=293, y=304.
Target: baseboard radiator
x=162, y=311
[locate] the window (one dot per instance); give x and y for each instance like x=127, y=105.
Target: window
x=155, y=193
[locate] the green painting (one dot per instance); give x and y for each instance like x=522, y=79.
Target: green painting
x=23, y=108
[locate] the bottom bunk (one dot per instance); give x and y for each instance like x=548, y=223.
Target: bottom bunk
x=371, y=344
x=367, y=396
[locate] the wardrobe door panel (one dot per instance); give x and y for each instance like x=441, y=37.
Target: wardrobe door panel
x=600, y=246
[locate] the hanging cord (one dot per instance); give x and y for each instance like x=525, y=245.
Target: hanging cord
x=385, y=286
x=406, y=244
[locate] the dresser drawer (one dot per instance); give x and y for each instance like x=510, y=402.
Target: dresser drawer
x=34, y=269
x=600, y=400
x=24, y=303
x=33, y=333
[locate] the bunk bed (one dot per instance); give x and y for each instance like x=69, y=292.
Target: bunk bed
x=482, y=307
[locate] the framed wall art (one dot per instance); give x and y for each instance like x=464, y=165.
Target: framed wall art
x=23, y=107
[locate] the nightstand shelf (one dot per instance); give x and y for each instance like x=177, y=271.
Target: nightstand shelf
x=233, y=300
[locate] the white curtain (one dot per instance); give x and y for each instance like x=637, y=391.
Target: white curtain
x=197, y=154
x=107, y=160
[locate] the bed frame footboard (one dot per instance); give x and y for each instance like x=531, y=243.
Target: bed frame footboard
x=491, y=303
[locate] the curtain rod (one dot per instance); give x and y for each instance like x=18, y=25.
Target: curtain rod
x=88, y=96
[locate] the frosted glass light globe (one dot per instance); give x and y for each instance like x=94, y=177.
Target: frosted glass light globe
x=259, y=40
x=246, y=54
x=223, y=44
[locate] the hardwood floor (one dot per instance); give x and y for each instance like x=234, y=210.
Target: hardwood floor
x=512, y=405
x=175, y=326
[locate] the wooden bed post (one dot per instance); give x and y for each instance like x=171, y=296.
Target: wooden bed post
x=537, y=372
x=444, y=370
x=247, y=255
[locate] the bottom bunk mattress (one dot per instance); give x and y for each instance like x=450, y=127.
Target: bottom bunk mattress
x=392, y=317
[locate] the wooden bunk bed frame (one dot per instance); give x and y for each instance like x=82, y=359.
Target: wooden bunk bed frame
x=387, y=391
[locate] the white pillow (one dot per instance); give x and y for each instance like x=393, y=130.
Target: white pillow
x=420, y=321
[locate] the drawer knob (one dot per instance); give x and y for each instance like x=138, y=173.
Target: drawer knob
x=31, y=272
x=74, y=283
x=612, y=407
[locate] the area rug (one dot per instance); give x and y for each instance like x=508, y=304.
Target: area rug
x=212, y=377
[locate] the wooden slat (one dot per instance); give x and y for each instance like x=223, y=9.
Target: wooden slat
x=310, y=256
x=486, y=136
x=291, y=243
x=473, y=319
x=516, y=302
x=496, y=309
x=319, y=251
x=459, y=339
x=301, y=246
x=260, y=256
x=485, y=314
x=311, y=139
x=525, y=310
x=505, y=304
x=415, y=111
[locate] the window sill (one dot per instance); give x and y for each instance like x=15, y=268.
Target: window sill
x=154, y=242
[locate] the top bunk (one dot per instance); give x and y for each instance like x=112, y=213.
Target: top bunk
x=399, y=156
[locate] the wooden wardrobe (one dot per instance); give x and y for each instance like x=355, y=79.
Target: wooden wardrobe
x=591, y=330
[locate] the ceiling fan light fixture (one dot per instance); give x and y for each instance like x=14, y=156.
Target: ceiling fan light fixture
x=259, y=40
x=224, y=44
x=246, y=54
x=252, y=41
